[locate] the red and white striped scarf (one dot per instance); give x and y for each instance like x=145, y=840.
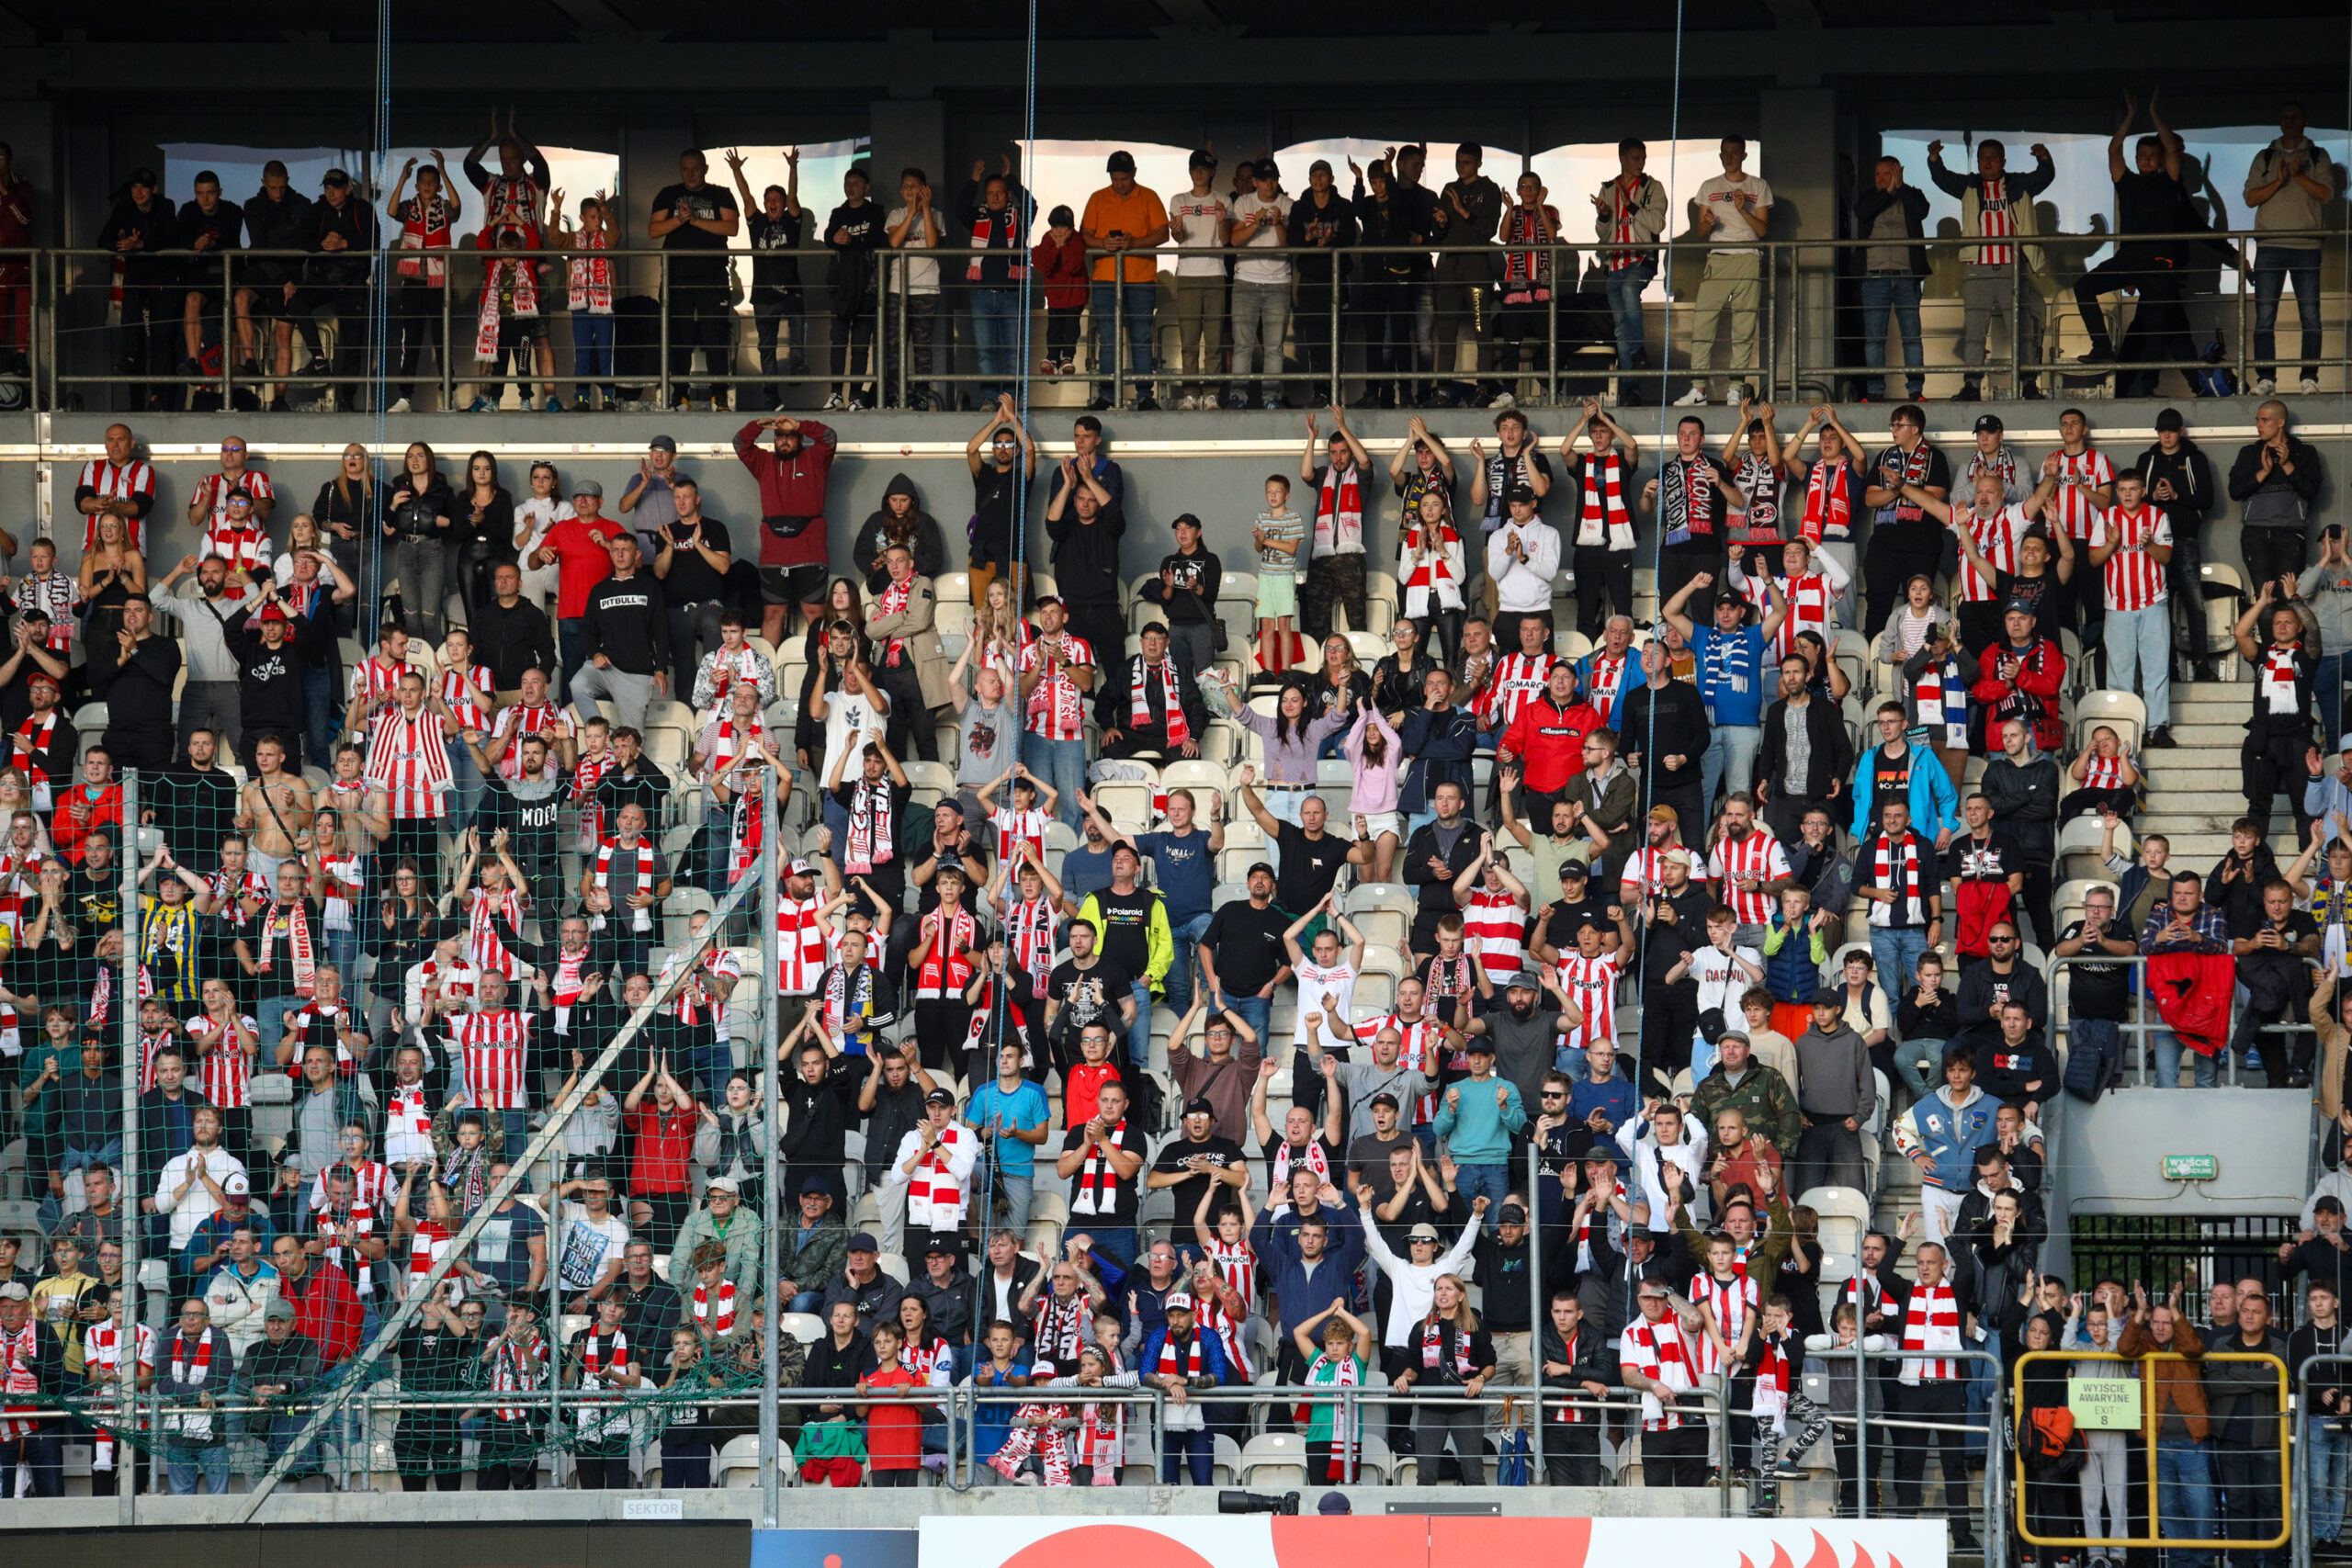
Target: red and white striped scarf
x=1624, y=202
x=426, y=1246
x=1603, y=518
x=523, y=279
x=934, y=1197
x=1188, y=1367
x=424, y=227
x=589, y=279
x=1433, y=1357
x=1660, y=1351
x=1338, y=510
x=730, y=743
x=1829, y=501
x=511, y=203
x=1139, y=700
x=21, y=1352
x=641, y=918
x=1883, y=869
x=986, y=226
x=184, y=1369
x=586, y=774
x=294, y=920
x=54, y=593
x=569, y=977
x=1930, y=1322
x=893, y=601
x=513, y=1371
x=947, y=968
x=1527, y=273
x=726, y=669
x=39, y=728
x=1772, y=1399
x=1315, y=1159
x=1347, y=1419
x=1029, y=936
x=799, y=945
x=747, y=827
x=872, y=835
x=716, y=1311
x=1098, y=1185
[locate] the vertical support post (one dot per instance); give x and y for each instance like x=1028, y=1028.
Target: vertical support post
x=771, y=1426
x=133, y=1299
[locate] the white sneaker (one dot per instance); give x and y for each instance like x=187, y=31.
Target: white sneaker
x=400, y=406
x=833, y=404
x=2311, y=386
x=1696, y=398
x=1187, y=404
x=2265, y=385
x=1508, y=401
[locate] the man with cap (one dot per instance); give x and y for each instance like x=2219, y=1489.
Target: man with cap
x=1124, y=216
x=2180, y=481
x=1993, y=454
x=1836, y=1094
x=1200, y=1162
x=863, y=1285
x=1151, y=707
x=935, y=1165
x=1183, y=1358
x=271, y=669
x=1505, y=1264
x=1241, y=954
x=275, y=1372
x=580, y=548
x=724, y=1218
x=946, y=1291
x=1523, y=559
x=793, y=478
x=241, y=1287
x=813, y=1251
x=141, y=230
x=342, y=238
x=1730, y=656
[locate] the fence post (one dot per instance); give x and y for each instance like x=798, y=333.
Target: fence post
x=134, y=1302
x=1864, y=1468
x=1337, y=402
x=449, y=378
x=1118, y=329
x=661, y=270
x=1551, y=395
x=228, y=326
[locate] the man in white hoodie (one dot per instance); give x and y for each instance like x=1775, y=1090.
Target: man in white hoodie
x=240, y=1291
x=1523, y=558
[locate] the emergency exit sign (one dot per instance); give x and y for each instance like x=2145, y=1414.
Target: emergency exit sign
x=2192, y=1167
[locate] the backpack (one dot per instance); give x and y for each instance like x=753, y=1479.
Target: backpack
x=2214, y=379
x=2093, y=1060
x=2054, y=1450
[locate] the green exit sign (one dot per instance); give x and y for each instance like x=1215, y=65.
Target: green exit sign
x=2192, y=1167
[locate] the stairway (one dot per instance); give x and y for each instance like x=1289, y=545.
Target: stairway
x=2197, y=789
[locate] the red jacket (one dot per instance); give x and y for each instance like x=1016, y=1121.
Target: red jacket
x=326, y=1311
x=105, y=809
x=2192, y=992
x=1549, y=743
x=2032, y=696
x=790, y=487
x=1062, y=270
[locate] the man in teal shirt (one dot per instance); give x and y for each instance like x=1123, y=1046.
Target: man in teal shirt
x=1011, y=1116
x=1480, y=1116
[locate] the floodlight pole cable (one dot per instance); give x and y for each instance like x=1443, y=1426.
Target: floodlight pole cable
x=379, y=313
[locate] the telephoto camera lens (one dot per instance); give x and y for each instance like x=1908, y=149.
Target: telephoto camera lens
x=1256, y=1503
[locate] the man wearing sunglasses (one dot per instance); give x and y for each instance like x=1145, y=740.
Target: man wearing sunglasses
x=2004, y=976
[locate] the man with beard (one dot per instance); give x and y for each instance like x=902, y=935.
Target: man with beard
x=1805, y=756
x=1673, y=926
x=1667, y=735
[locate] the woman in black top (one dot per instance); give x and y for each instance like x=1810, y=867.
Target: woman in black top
x=900, y=520
x=408, y=924
x=348, y=511
x=1398, y=679
x=1446, y=1350
x=483, y=532
x=843, y=601
x=417, y=521
x=840, y=1358
x=1800, y=1271
x=1338, y=687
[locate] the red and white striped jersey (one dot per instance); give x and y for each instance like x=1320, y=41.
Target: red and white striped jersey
x=1237, y=1265
x=102, y=1345
x=515, y=722
x=1422, y=1039
x=1057, y=708
x=1808, y=597
x=1761, y=857
x=484, y=948
x=1646, y=873
x=1500, y=921
x=117, y=482
x=1996, y=538
x=1661, y=1351
x=408, y=759
x=2077, y=477
x=1729, y=1303
x=427, y=1244
x=212, y=494
x=2102, y=773
x=224, y=1075
x=469, y=713
x=586, y=774
x=1014, y=829
x=376, y=680
x=1591, y=983
x=799, y=945
x=245, y=549
x=695, y=1005
x=1604, y=684
x=2134, y=580
x=1518, y=678
x=494, y=1044
x=1993, y=220
x=358, y=1221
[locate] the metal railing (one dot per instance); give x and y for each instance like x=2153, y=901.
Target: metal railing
x=2299, y=1513
x=2138, y=1031
x=1325, y=321
x=2148, y=1421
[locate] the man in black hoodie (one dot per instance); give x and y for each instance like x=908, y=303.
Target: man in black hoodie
x=2275, y=482
x=2180, y=481
x=341, y=234
x=1574, y=1358
x=142, y=227
x=854, y=231
x=276, y=218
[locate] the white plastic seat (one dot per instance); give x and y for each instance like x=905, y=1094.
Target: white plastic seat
x=2121, y=711
x=1274, y=1460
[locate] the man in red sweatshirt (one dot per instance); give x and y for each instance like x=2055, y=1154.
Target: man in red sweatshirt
x=792, y=547
x=1546, y=742
x=327, y=1309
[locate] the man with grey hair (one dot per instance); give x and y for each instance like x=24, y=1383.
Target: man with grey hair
x=2275, y=482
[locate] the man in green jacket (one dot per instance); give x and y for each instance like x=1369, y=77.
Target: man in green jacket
x=725, y=1218
x=1741, y=1083
x=813, y=1252
x=1761, y=1257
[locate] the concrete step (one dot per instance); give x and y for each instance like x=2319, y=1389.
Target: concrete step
x=2198, y=769
x=2224, y=801
x=2202, y=736
x=2198, y=849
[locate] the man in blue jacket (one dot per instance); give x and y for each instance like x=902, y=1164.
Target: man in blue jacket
x=1308, y=1266
x=1941, y=1134
x=1902, y=767
x=1184, y=1358
x=1439, y=737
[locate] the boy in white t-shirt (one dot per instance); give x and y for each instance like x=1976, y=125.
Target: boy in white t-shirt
x=913, y=224
x=1326, y=989
x=1197, y=220
x=1261, y=286
x=1023, y=821
x=1735, y=208
x=1725, y=972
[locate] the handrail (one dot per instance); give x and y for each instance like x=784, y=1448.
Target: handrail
x=2149, y=1417
x=2146, y=1021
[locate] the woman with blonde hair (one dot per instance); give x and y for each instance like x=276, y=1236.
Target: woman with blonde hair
x=998, y=629
x=1446, y=1358
x=111, y=572
x=348, y=510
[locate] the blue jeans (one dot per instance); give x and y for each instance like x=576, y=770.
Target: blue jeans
x=183, y=1461
x=2139, y=646
x=1178, y=1447
x=318, y=709
x=2327, y=1466
x=1065, y=769
x=2184, y=1488
x=1896, y=954
x=711, y=1063
x=269, y=1017
x=1490, y=1182
x=572, y=645
x=1898, y=292
x=1179, y=984
x=1105, y=307
x=2164, y=1045
x=2272, y=267
x=466, y=782
x=1115, y=1242
x=995, y=337
x=808, y=1301
x=1139, y=1032
x=592, y=356
x=1730, y=755
x=1258, y=1012
x=1625, y=309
